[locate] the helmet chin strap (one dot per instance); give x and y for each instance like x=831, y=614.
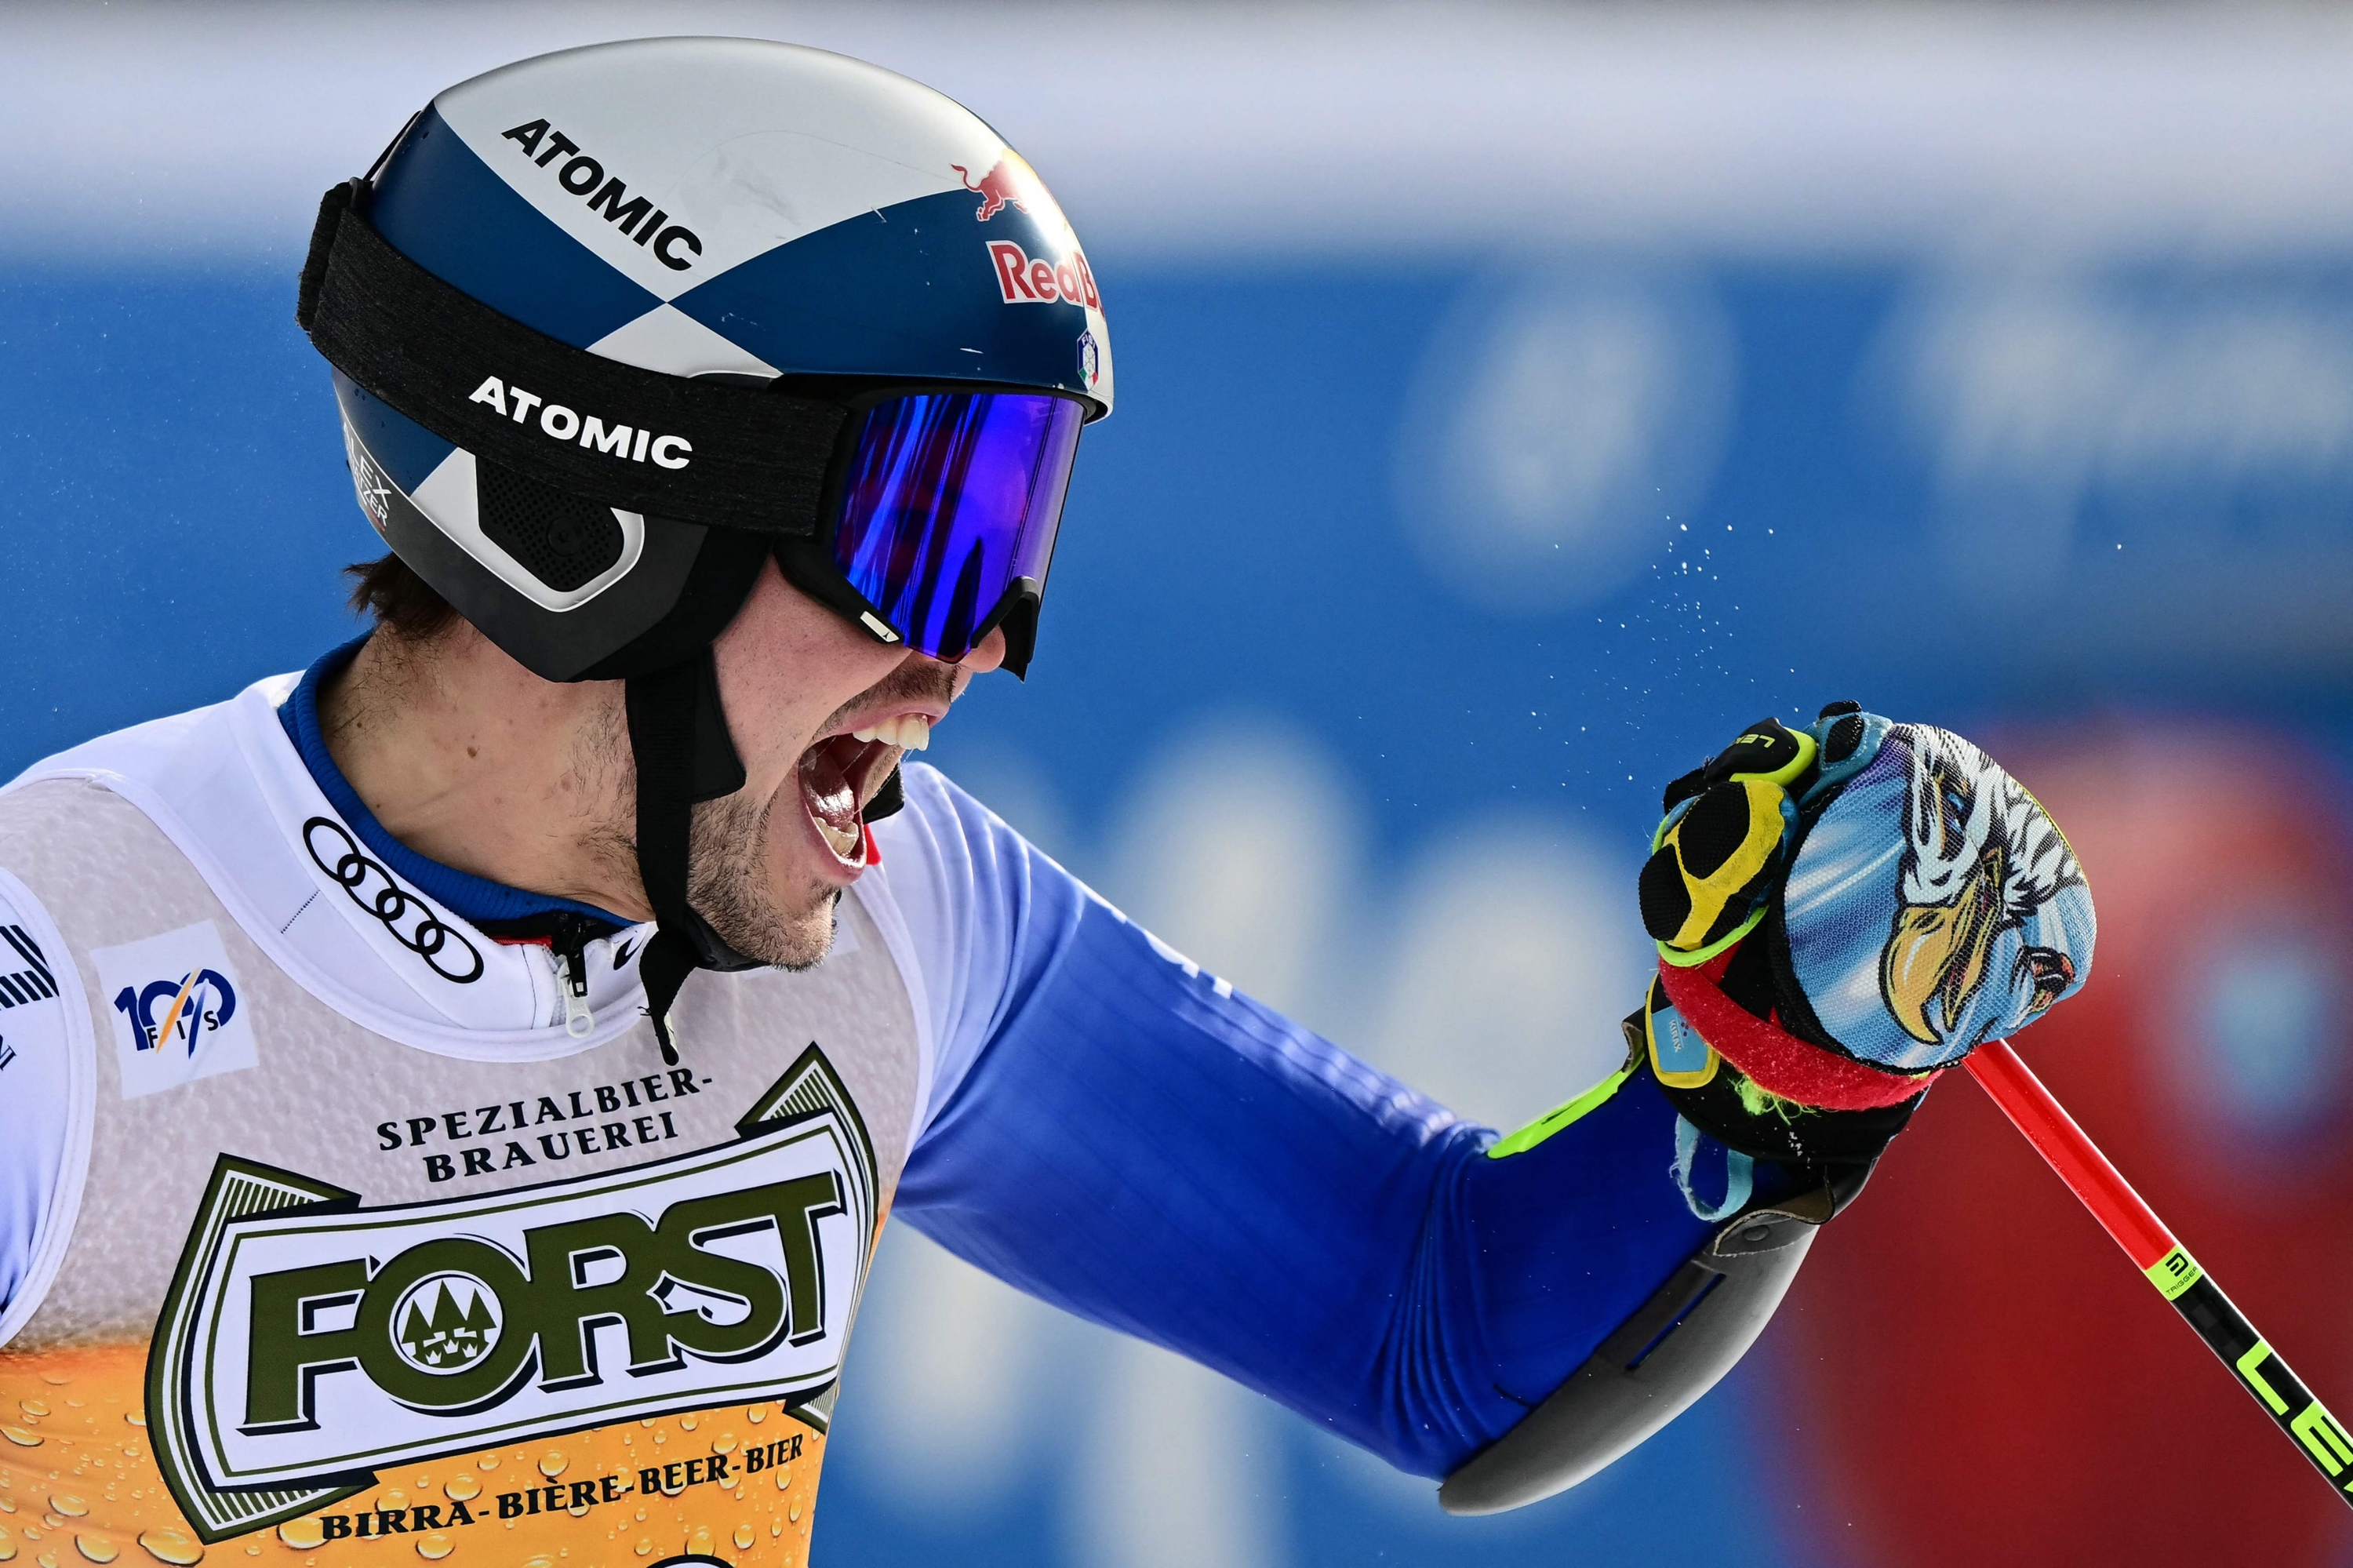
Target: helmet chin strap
x=678, y=731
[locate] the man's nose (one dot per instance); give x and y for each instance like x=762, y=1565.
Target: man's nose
x=986, y=654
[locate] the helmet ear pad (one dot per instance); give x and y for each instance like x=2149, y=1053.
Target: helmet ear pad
x=726, y=563
x=686, y=586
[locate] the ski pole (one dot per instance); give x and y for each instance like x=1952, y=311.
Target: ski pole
x=2137, y=1229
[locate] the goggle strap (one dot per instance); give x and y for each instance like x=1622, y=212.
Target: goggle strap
x=700, y=451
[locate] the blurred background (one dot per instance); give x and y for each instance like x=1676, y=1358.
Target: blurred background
x=1516, y=401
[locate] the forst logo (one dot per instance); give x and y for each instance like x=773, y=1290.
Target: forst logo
x=308, y=1341
x=453, y=1324
x=448, y=1338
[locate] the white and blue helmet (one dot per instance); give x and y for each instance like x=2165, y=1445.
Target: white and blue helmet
x=602, y=309
x=613, y=328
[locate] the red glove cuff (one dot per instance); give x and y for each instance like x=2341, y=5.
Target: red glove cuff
x=1774, y=1059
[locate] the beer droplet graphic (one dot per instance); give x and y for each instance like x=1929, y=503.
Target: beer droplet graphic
x=744, y=1537
x=68, y=1504
x=19, y=1436
x=97, y=1550
x=463, y=1488
x=302, y=1534
x=552, y=1464
x=487, y=1462
x=756, y=1414
x=435, y=1546
x=645, y=1549
x=723, y=1443
x=179, y=1548
x=33, y=1407
x=7, y=1545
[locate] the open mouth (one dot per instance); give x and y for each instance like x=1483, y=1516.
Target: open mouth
x=840, y=774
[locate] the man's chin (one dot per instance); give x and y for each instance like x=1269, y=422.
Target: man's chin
x=760, y=916
x=793, y=939
x=802, y=941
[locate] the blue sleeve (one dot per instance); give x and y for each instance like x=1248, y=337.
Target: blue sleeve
x=1126, y=1137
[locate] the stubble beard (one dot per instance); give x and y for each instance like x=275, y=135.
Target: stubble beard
x=728, y=884
x=727, y=878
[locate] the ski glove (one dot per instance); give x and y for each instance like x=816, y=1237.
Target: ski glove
x=1842, y=912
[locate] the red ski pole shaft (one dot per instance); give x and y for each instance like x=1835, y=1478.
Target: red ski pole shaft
x=2135, y=1228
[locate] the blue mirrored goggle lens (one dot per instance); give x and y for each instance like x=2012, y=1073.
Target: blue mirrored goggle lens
x=948, y=500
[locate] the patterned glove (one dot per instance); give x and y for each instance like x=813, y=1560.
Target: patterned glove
x=1841, y=912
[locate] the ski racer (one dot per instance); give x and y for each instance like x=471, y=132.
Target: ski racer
x=449, y=1098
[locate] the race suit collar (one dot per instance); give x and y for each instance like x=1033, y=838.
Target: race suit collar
x=489, y=904
x=228, y=787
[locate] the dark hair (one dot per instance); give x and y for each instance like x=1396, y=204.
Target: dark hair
x=402, y=603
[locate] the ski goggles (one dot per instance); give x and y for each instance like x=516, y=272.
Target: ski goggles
x=940, y=516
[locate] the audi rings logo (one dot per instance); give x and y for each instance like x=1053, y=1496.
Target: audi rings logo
x=406, y=915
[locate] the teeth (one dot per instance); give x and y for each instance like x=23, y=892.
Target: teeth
x=909, y=731
x=844, y=840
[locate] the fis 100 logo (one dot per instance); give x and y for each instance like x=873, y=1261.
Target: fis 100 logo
x=199, y=1001
x=182, y=1017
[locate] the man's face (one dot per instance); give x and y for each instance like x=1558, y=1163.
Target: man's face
x=801, y=685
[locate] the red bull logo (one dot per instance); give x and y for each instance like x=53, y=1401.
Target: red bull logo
x=1005, y=185
x=1024, y=280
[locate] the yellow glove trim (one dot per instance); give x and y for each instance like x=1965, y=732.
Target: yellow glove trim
x=1710, y=893
x=1559, y=1116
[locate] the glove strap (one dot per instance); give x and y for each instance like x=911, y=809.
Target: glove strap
x=1739, y=1176
x=1775, y=1059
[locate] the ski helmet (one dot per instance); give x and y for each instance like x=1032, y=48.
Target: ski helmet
x=612, y=327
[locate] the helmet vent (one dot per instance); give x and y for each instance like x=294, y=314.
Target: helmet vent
x=564, y=541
